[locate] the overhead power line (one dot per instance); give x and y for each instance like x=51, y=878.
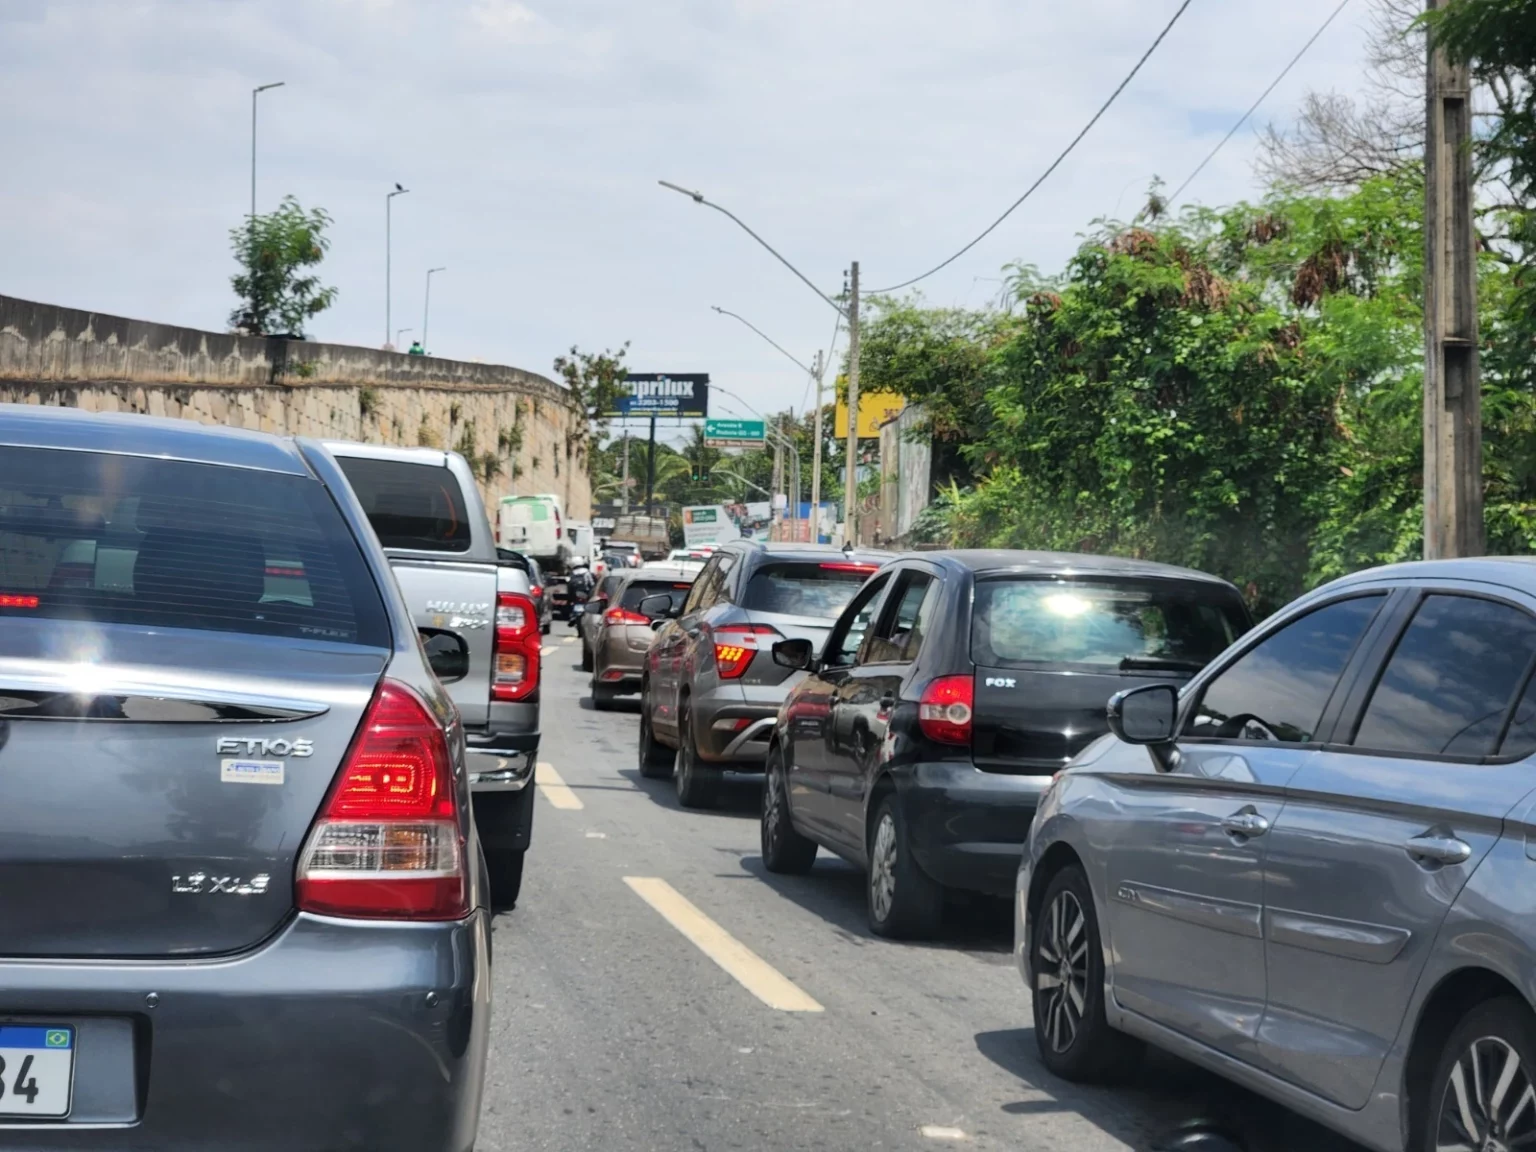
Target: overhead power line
x=1055, y=164
x=1284, y=72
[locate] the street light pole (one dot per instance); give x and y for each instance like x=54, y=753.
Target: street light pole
x=816, y=459
x=426, y=308
x=250, y=255
x=399, y=332
x=400, y=190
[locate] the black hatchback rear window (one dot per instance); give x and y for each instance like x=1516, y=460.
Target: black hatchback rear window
x=637, y=590
x=415, y=506
x=805, y=588
x=167, y=543
x=1104, y=622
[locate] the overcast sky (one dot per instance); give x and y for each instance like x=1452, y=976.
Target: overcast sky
x=531, y=134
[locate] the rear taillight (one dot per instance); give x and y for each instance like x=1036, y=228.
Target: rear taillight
x=944, y=713
x=17, y=600
x=516, y=674
x=625, y=616
x=735, y=645
x=387, y=844
x=536, y=591
x=849, y=566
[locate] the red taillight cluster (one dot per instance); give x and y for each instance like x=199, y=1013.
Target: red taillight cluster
x=17, y=600
x=850, y=566
x=516, y=674
x=387, y=844
x=944, y=713
x=735, y=645
x=625, y=616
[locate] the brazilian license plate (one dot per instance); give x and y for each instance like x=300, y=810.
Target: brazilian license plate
x=37, y=1069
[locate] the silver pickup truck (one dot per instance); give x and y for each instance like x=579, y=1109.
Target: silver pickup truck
x=432, y=524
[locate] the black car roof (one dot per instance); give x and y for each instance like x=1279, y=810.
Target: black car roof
x=990, y=561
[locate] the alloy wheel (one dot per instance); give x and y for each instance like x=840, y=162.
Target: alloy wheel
x=882, y=869
x=1489, y=1104
x=1061, y=974
x=684, y=753
x=773, y=805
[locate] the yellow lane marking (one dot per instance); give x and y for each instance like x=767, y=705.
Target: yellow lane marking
x=555, y=790
x=569, y=640
x=749, y=969
x=545, y=651
x=939, y=1132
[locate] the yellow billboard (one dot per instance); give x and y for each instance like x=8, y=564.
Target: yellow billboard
x=875, y=408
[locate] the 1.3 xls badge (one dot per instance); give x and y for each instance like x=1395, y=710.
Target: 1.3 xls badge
x=259, y=746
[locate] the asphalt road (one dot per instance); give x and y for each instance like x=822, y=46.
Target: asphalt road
x=614, y=1030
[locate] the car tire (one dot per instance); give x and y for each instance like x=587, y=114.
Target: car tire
x=785, y=851
x=602, y=698
x=656, y=759
x=1479, y=1048
x=1066, y=964
x=506, y=876
x=904, y=902
x=586, y=658
x=698, y=785
x=544, y=629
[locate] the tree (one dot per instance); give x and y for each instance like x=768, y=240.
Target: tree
x=595, y=381
x=273, y=251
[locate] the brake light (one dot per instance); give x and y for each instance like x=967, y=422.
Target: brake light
x=733, y=655
x=536, y=590
x=387, y=844
x=516, y=674
x=944, y=713
x=17, y=600
x=625, y=616
x=846, y=566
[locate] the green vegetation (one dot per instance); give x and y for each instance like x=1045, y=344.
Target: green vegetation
x=277, y=299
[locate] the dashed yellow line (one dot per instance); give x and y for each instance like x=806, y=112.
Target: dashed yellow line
x=554, y=789
x=745, y=966
x=547, y=650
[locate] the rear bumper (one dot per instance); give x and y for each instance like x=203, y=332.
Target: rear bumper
x=968, y=828
x=333, y=1035
x=502, y=759
x=718, y=727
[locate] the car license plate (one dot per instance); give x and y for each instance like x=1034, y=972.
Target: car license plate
x=37, y=1069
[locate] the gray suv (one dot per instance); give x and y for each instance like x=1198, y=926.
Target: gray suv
x=1311, y=869
x=710, y=690
x=240, y=887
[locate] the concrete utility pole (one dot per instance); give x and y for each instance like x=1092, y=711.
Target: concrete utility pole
x=816, y=458
x=851, y=483
x=1453, y=402
x=624, y=488
x=426, y=308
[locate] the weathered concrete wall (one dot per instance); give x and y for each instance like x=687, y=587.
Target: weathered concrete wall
x=513, y=424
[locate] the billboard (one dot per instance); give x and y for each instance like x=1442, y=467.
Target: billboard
x=875, y=408
x=663, y=394
x=708, y=524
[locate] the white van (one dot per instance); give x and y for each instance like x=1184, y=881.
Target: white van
x=533, y=526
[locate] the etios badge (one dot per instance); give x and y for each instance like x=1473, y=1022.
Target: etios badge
x=258, y=746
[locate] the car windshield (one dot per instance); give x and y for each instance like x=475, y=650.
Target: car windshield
x=820, y=589
x=415, y=506
x=637, y=590
x=1135, y=623
x=166, y=543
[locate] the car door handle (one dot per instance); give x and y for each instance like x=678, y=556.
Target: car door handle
x=1245, y=824
x=1439, y=849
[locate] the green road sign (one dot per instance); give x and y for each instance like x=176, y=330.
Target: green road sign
x=735, y=433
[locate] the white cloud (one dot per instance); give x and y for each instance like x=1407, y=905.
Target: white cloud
x=531, y=135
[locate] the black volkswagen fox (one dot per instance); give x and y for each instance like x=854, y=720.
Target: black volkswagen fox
x=949, y=692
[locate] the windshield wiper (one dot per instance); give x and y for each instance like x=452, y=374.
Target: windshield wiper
x=1160, y=664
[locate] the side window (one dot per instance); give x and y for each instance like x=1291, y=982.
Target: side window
x=1449, y=683
x=1277, y=690
x=1520, y=740
x=843, y=645
x=722, y=592
x=899, y=635
x=701, y=595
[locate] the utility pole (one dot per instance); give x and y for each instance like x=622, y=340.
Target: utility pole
x=777, y=484
x=624, y=499
x=650, y=472
x=851, y=483
x=816, y=459
x=1453, y=403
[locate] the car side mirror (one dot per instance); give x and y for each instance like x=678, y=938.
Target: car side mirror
x=657, y=608
x=658, y=623
x=796, y=654
x=1148, y=716
x=447, y=654
x=578, y=610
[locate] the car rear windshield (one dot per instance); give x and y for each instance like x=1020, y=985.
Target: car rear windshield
x=537, y=510
x=637, y=590
x=1102, y=622
x=166, y=543
x=415, y=506
x=804, y=588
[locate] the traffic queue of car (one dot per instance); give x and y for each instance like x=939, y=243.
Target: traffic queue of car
x=1300, y=855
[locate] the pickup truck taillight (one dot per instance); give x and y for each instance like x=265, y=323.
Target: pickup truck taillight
x=516, y=673
x=387, y=844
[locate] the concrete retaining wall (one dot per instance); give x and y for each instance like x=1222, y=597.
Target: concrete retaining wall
x=513, y=424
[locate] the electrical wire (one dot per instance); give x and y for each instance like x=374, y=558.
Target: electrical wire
x=1284, y=72
x=1055, y=164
